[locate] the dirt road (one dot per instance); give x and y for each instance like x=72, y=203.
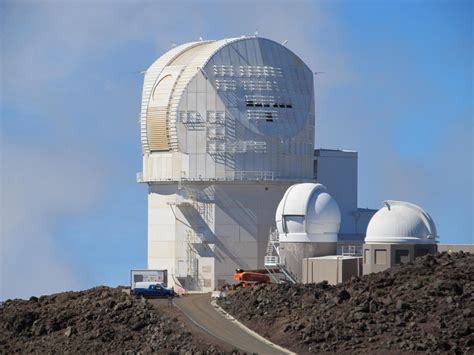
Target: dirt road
x=199, y=310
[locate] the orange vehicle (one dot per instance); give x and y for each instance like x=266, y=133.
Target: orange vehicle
x=247, y=278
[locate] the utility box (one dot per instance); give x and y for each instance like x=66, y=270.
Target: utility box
x=160, y=276
x=332, y=268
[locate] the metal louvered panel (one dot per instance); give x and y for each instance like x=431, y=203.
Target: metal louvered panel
x=158, y=114
x=192, y=57
x=151, y=76
x=156, y=127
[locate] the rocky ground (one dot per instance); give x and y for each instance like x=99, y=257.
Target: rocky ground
x=425, y=306
x=99, y=320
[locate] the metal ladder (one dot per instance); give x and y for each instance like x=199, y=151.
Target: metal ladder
x=273, y=259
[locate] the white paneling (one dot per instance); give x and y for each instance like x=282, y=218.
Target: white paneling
x=161, y=216
x=201, y=104
x=161, y=249
x=227, y=231
x=201, y=165
x=161, y=233
x=201, y=82
x=245, y=236
x=210, y=166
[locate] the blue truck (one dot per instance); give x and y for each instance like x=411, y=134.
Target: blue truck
x=152, y=289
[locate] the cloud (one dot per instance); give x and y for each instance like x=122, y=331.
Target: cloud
x=40, y=188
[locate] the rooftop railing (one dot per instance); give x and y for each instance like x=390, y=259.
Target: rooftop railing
x=351, y=250
x=231, y=176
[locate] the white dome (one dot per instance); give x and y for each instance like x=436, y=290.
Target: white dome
x=401, y=223
x=307, y=213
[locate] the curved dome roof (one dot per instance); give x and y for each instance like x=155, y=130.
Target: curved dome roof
x=307, y=213
x=191, y=56
x=401, y=223
x=257, y=77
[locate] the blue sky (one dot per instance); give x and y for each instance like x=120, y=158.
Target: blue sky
x=397, y=88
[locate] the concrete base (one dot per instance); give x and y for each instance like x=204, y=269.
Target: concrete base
x=294, y=253
x=379, y=257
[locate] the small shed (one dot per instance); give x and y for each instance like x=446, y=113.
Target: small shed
x=332, y=268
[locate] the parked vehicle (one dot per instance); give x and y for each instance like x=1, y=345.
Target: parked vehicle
x=247, y=278
x=146, y=289
x=146, y=284
x=154, y=276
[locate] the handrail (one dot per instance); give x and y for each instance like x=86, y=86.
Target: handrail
x=234, y=176
x=351, y=250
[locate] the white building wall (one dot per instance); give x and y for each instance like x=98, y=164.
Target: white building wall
x=235, y=235
x=162, y=237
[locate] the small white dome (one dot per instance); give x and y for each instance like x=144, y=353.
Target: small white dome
x=401, y=223
x=307, y=213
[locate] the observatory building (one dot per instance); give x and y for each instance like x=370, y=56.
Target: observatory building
x=308, y=221
x=226, y=127
x=398, y=233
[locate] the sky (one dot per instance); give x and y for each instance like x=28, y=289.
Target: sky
x=398, y=88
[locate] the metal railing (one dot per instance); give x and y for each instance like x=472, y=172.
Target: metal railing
x=351, y=250
x=272, y=260
x=238, y=175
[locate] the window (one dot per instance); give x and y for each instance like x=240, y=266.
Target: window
x=366, y=256
x=380, y=257
x=137, y=278
x=402, y=256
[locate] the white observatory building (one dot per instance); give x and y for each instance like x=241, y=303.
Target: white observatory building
x=398, y=233
x=226, y=127
x=308, y=221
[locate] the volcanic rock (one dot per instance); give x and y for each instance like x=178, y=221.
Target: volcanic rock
x=101, y=320
x=426, y=305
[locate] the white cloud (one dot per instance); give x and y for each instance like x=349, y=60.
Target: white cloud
x=41, y=188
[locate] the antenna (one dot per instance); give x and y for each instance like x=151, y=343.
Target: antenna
x=284, y=42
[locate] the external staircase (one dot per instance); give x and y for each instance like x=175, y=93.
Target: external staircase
x=273, y=260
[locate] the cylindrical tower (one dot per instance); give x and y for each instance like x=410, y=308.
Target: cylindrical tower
x=226, y=127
